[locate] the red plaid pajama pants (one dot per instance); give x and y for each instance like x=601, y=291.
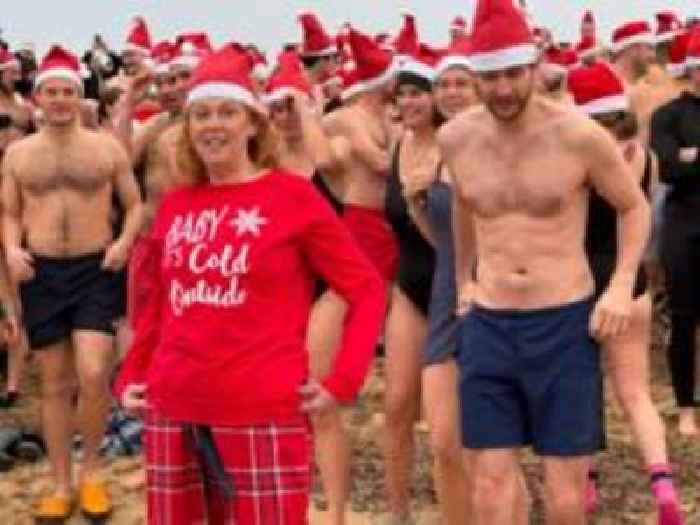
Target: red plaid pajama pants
x=269, y=467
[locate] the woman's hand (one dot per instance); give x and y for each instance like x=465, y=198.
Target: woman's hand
x=134, y=398
x=316, y=399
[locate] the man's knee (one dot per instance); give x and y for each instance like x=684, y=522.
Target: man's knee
x=445, y=446
x=400, y=407
x=565, y=500
x=493, y=490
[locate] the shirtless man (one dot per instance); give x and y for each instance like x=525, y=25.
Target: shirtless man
x=530, y=372
x=57, y=188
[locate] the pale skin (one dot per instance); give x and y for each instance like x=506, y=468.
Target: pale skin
x=305, y=148
x=56, y=191
x=522, y=214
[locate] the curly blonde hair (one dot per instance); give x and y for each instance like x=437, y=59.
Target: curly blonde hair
x=263, y=149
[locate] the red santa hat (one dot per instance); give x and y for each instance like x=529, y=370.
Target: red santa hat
x=424, y=62
x=224, y=74
x=637, y=32
x=457, y=55
x=59, y=64
x=349, y=81
x=588, y=17
x=374, y=66
x=287, y=79
x=162, y=54
x=146, y=110
x=501, y=37
x=383, y=40
x=563, y=58
x=406, y=43
x=458, y=24
x=667, y=26
x=7, y=59
x=597, y=89
x=138, y=38
x=316, y=42
x=192, y=48
x=693, y=57
x=587, y=47
x=677, y=54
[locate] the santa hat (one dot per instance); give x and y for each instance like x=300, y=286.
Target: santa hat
x=162, y=54
x=191, y=49
x=349, y=80
x=317, y=43
x=224, y=74
x=423, y=63
x=677, y=53
x=458, y=24
x=259, y=70
x=667, y=26
x=383, y=40
x=7, y=59
x=693, y=57
x=456, y=56
x=563, y=58
x=406, y=43
x=287, y=79
x=374, y=66
x=501, y=37
x=638, y=32
x=138, y=38
x=587, y=47
x=588, y=17
x=146, y=110
x=597, y=89
x=59, y=64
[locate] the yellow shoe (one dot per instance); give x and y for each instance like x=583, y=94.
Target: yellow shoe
x=95, y=502
x=53, y=508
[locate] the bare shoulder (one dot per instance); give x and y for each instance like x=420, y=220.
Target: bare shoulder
x=337, y=121
x=466, y=124
x=568, y=125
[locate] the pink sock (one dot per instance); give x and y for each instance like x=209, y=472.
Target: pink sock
x=666, y=496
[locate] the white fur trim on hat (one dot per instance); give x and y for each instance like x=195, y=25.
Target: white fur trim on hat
x=642, y=38
x=666, y=37
x=520, y=55
x=161, y=68
x=62, y=73
x=10, y=63
x=327, y=52
x=374, y=83
x=692, y=62
x=136, y=49
x=418, y=68
x=449, y=62
x=189, y=61
x=280, y=94
x=225, y=90
x=606, y=105
x=676, y=70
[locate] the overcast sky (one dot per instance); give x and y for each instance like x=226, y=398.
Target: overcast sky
x=271, y=22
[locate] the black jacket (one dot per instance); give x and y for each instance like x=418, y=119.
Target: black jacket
x=674, y=126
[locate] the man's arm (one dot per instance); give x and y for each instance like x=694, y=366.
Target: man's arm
x=19, y=262
x=462, y=218
x=613, y=179
x=157, y=179
x=366, y=150
x=127, y=191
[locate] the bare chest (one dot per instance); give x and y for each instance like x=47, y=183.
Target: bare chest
x=539, y=181
x=51, y=170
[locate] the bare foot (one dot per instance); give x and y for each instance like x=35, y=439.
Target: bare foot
x=686, y=423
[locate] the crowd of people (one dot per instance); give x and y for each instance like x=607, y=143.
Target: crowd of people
x=219, y=244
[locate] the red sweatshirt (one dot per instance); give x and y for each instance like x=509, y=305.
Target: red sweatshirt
x=222, y=340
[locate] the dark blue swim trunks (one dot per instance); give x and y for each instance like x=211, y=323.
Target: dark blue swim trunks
x=530, y=377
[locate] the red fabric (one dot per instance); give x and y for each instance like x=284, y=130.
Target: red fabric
x=375, y=237
x=222, y=340
x=141, y=274
x=269, y=467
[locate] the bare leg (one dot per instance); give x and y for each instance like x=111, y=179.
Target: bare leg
x=56, y=370
x=405, y=337
x=442, y=410
x=495, y=480
x=332, y=447
x=17, y=357
x=629, y=369
x=565, y=483
x=94, y=356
